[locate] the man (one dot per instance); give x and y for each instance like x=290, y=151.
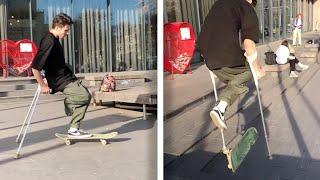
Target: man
x=221, y=49
x=50, y=58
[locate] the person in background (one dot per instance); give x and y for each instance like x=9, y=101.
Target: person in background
x=284, y=56
x=297, y=24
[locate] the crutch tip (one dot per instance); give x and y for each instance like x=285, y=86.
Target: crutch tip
x=17, y=140
x=17, y=156
x=270, y=157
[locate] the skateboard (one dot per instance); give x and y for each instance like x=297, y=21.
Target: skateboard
x=236, y=155
x=102, y=137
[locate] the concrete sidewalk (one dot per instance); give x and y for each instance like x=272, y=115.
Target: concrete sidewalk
x=130, y=155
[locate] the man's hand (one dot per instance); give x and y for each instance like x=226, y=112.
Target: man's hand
x=257, y=68
x=42, y=82
x=45, y=89
x=260, y=72
x=251, y=56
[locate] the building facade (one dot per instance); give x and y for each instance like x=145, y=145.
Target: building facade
x=107, y=35
x=275, y=16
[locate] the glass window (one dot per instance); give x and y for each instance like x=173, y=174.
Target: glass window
x=276, y=14
x=106, y=35
x=204, y=8
x=181, y=10
x=259, y=11
x=173, y=11
x=18, y=20
x=267, y=26
x=134, y=34
x=3, y=19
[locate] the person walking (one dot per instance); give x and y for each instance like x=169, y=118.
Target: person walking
x=59, y=78
x=220, y=47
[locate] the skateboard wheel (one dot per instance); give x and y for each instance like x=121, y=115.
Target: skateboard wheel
x=68, y=142
x=104, y=142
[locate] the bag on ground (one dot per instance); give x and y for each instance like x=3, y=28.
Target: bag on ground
x=108, y=83
x=270, y=58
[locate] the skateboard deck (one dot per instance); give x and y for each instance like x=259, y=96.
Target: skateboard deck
x=102, y=137
x=240, y=151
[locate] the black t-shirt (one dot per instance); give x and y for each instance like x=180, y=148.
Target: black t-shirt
x=219, y=38
x=50, y=57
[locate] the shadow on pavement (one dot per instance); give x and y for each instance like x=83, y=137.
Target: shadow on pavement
x=39, y=136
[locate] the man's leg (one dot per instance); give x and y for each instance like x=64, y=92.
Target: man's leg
x=294, y=37
x=299, y=36
x=236, y=80
x=76, y=103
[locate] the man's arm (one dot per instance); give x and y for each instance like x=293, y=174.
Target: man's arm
x=44, y=86
x=251, y=56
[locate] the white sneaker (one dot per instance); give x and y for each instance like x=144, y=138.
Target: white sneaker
x=293, y=74
x=79, y=133
x=303, y=66
x=217, y=118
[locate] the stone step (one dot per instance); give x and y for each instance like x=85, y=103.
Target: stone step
x=17, y=93
x=14, y=87
x=308, y=60
x=311, y=45
x=315, y=50
x=29, y=97
x=17, y=80
x=306, y=55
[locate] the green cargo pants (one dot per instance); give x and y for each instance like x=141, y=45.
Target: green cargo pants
x=76, y=102
x=236, y=80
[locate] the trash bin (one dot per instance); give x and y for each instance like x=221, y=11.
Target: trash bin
x=179, y=45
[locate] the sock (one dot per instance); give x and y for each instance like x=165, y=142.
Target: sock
x=222, y=106
x=72, y=129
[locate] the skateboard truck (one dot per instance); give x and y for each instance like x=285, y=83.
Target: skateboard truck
x=102, y=137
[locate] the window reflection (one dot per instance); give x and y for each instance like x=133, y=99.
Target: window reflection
x=106, y=35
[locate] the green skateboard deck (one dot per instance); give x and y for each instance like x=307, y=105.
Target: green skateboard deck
x=240, y=151
x=102, y=137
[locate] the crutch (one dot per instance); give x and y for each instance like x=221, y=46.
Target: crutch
x=225, y=150
x=256, y=82
x=27, y=120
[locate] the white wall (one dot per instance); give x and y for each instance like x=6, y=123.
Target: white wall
x=316, y=15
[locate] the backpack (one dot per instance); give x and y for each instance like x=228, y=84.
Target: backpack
x=270, y=58
x=108, y=83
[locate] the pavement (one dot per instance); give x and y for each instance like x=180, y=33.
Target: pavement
x=292, y=118
x=130, y=156
x=293, y=129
